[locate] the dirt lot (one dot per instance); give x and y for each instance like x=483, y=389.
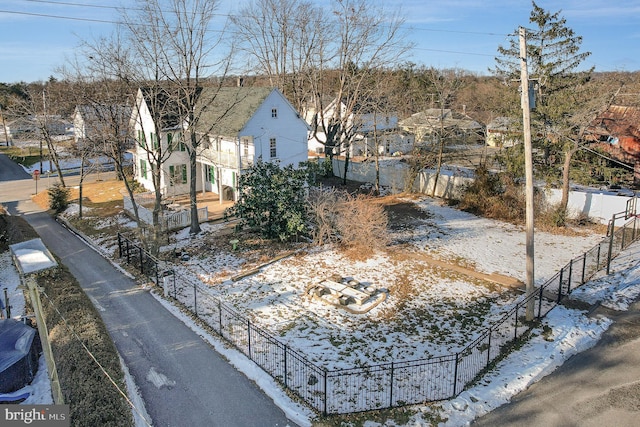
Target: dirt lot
x=94, y=193
x=105, y=199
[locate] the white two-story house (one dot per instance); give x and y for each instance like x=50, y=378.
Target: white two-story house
x=370, y=130
x=236, y=127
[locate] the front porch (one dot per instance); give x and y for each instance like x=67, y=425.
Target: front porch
x=206, y=199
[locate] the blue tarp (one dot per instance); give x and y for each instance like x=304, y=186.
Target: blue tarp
x=19, y=352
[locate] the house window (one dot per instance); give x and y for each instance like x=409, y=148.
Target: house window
x=245, y=148
x=177, y=174
x=181, y=144
x=272, y=148
x=140, y=138
x=154, y=141
x=274, y=113
x=170, y=141
x=143, y=169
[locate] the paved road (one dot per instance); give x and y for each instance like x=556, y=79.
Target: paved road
x=182, y=380
x=599, y=387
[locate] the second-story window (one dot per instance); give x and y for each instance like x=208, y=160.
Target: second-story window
x=272, y=148
x=245, y=147
x=274, y=113
x=141, y=138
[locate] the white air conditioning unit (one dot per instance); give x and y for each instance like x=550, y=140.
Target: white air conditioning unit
x=319, y=150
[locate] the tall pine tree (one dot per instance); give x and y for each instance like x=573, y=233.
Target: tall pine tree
x=562, y=104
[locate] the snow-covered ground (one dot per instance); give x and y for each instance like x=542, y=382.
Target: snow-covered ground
x=276, y=298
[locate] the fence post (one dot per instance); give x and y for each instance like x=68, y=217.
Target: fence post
x=195, y=300
x=141, y=260
x=119, y=245
x=128, y=256
x=455, y=376
x=598, y=258
x=286, y=373
x=249, y=338
x=612, y=232
x=391, y=388
x=624, y=233
x=489, y=348
x=540, y=301
x=515, y=329
x=570, y=274
x=324, y=410
x=584, y=267
x=220, y=316
x=560, y=285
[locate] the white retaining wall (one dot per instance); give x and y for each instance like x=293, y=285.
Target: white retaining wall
x=393, y=175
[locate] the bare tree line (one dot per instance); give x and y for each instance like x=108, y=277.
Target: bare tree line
x=333, y=63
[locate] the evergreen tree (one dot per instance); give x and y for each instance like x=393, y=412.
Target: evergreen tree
x=272, y=200
x=554, y=60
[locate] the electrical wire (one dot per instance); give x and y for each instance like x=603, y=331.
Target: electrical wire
x=93, y=357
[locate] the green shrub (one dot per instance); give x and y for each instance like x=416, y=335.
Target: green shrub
x=58, y=198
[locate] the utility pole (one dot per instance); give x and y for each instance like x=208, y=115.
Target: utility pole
x=44, y=109
x=528, y=165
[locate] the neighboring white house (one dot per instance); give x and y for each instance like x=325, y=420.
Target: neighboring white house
x=427, y=125
x=240, y=125
x=503, y=132
x=96, y=122
x=31, y=126
x=371, y=130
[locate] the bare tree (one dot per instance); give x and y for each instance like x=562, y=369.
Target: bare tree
x=284, y=38
x=43, y=105
x=444, y=84
x=327, y=59
x=367, y=39
x=183, y=50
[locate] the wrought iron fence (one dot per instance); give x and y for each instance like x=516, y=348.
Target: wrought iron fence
x=389, y=384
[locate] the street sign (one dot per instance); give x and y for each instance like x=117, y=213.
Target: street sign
x=36, y=174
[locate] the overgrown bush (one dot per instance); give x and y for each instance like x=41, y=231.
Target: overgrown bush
x=354, y=221
x=362, y=223
x=497, y=196
x=553, y=216
x=58, y=198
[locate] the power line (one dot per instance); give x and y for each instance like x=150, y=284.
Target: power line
x=105, y=21
x=93, y=357
x=44, y=15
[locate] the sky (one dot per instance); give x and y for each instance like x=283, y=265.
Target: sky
x=38, y=36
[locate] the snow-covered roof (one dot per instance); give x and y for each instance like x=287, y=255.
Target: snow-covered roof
x=32, y=256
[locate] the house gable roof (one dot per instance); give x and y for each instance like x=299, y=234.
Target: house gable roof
x=161, y=103
x=103, y=112
x=226, y=110
x=434, y=117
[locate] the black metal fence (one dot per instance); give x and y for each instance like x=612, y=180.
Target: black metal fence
x=390, y=384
